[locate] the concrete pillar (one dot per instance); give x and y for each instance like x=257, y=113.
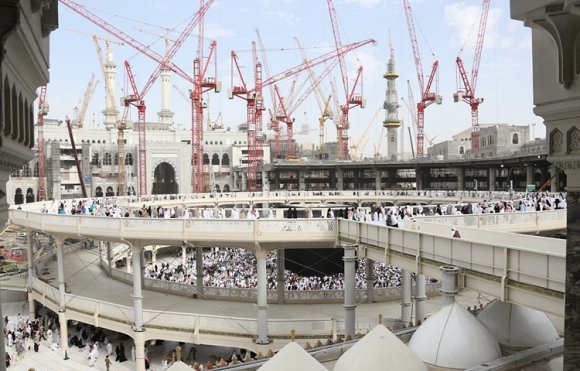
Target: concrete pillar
x=63, y=331
x=60, y=273
x=30, y=278
x=129, y=259
x=340, y=179
x=199, y=270
x=530, y=174
x=137, y=290
x=406, y=297
x=184, y=252
x=141, y=255
x=420, y=299
x=301, y=181
x=280, y=279
x=332, y=180
x=391, y=178
x=349, y=259
x=139, y=339
x=244, y=184
x=110, y=257
x=370, y=273
x=419, y=179
x=460, y=179
x=378, y=180
x=448, y=288
x=491, y=179
x=276, y=181
x=154, y=255
x=262, y=304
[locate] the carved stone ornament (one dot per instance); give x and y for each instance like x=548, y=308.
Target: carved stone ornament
x=556, y=142
x=564, y=27
x=573, y=140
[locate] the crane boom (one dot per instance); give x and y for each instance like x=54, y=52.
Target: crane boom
x=89, y=91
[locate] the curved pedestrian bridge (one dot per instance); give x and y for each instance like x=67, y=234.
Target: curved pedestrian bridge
x=524, y=269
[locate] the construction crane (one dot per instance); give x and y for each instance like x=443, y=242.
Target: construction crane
x=466, y=93
x=42, y=111
x=76, y=157
x=254, y=99
x=202, y=83
x=352, y=99
x=427, y=96
x=359, y=145
x=163, y=62
x=81, y=111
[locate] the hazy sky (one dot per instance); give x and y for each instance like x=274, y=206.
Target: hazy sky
x=442, y=26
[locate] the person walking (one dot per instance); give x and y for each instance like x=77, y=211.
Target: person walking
x=107, y=363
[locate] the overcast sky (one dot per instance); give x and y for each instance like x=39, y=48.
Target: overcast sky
x=443, y=27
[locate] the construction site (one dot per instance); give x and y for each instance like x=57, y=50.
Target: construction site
x=126, y=153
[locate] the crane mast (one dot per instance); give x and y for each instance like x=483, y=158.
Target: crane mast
x=427, y=97
x=352, y=100
x=42, y=111
x=467, y=92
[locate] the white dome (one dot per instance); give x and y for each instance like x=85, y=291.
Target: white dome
x=517, y=326
x=377, y=349
x=290, y=358
x=452, y=338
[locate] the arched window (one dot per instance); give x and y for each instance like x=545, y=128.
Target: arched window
x=215, y=159
x=205, y=159
x=116, y=159
x=36, y=169
x=225, y=160
x=95, y=160
x=515, y=138
x=18, y=197
x=99, y=192
x=110, y=191
x=107, y=159
x=29, y=195
x=461, y=150
x=226, y=188
x=129, y=159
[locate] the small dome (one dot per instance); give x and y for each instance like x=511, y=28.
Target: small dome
x=290, y=358
x=452, y=338
x=377, y=349
x=516, y=326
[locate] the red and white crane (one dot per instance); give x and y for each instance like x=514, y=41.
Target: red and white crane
x=42, y=111
x=137, y=98
x=427, y=96
x=352, y=99
x=254, y=99
x=466, y=92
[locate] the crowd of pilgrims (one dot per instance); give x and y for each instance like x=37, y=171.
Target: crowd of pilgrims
x=236, y=268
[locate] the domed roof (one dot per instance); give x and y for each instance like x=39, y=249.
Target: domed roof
x=517, y=326
x=377, y=349
x=452, y=338
x=290, y=358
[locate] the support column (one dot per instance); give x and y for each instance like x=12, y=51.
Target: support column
x=378, y=180
x=349, y=259
x=419, y=179
x=184, y=252
x=530, y=174
x=460, y=179
x=61, y=292
x=139, y=339
x=420, y=299
x=301, y=181
x=406, y=297
x=129, y=259
x=199, y=270
x=448, y=288
x=491, y=179
x=340, y=179
x=137, y=296
x=276, y=181
x=280, y=279
x=31, y=275
x=370, y=273
x=154, y=255
x=262, y=304
x=110, y=257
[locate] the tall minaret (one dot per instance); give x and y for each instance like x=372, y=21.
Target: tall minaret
x=111, y=113
x=392, y=122
x=165, y=115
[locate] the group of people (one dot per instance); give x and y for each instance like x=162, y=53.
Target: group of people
x=236, y=268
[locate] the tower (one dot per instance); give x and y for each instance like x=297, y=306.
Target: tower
x=165, y=115
x=110, y=113
x=392, y=122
